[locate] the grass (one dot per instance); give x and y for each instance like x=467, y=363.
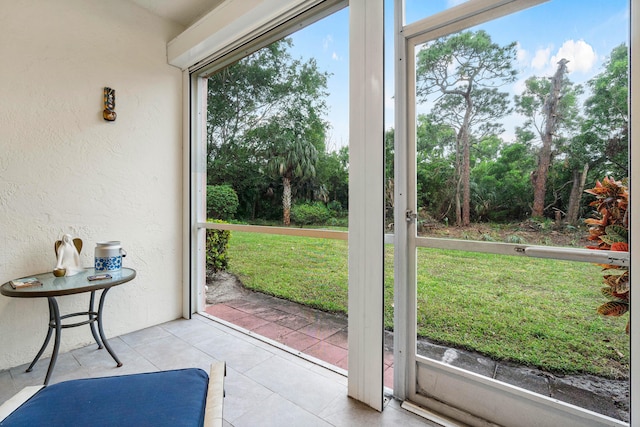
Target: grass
x=536, y=312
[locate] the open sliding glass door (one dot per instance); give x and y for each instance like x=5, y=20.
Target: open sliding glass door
x=468, y=385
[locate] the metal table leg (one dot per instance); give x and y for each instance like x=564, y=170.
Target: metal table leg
x=104, y=339
x=47, y=339
x=91, y=317
x=53, y=304
x=55, y=323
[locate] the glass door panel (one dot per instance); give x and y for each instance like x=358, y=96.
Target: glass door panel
x=509, y=122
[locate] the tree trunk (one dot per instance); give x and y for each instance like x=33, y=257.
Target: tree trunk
x=286, y=200
x=577, y=189
x=458, y=205
x=544, y=156
x=458, y=171
x=466, y=184
x=466, y=162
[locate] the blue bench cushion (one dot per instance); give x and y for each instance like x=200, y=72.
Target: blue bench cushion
x=168, y=398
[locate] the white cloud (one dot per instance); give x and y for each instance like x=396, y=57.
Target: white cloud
x=335, y=56
x=580, y=55
x=541, y=59
x=519, y=86
x=389, y=101
x=327, y=42
x=522, y=55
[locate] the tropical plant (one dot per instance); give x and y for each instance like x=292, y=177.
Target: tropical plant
x=296, y=159
x=610, y=231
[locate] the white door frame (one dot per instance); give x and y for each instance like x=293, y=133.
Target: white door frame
x=454, y=392
x=366, y=177
x=366, y=201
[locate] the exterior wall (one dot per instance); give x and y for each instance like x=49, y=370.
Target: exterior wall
x=63, y=169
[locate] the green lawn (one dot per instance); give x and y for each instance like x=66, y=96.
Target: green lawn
x=532, y=311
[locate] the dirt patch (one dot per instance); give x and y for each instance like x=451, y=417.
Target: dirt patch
x=223, y=287
x=526, y=232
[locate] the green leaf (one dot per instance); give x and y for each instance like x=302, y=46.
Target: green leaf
x=617, y=232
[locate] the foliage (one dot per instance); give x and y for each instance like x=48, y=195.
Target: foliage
x=389, y=150
x=609, y=231
x=336, y=209
x=332, y=170
x=532, y=100
x=435, y=170
x=500, y=190
x=222, y=202
x=265, y=127
x=310, y=213
x=550, y=107
x=217, y=245
x=339, y=222
x=266, y=135
x=608, y=113
x=610, y=91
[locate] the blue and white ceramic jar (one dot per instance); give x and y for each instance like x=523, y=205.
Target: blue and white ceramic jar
x=108, y=256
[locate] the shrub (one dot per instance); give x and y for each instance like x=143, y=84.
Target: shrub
x=222, y=201
x=217, y=244
x=338, y=222
x=335, y=207
x=310, y=213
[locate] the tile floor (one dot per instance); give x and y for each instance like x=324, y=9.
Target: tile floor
x=311, y=332
x=265, y=385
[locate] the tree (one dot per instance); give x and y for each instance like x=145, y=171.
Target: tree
x=501, y=188
x=293, y=138
x=264, y=113
x=435, y=170
x=332, y=170
x=237, y=164
x=549, y=106
x=292, y=157
x=607, y=112
x=580, y=157
x=465, y=69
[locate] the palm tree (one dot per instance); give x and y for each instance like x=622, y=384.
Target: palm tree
x=294, y=159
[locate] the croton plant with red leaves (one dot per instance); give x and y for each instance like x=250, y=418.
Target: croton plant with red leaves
x=609, y=231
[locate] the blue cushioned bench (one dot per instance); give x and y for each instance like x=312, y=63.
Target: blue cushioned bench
x=184, y=397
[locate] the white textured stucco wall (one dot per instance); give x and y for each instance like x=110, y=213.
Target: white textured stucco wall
x=63, y=169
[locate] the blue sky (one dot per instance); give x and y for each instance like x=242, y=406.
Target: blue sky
x=583, y=31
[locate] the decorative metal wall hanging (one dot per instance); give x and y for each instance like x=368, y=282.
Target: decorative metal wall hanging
x=109, y=112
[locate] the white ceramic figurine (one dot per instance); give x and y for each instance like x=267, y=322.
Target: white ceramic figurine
x=68, y=253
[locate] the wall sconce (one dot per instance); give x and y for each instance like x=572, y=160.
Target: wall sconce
x=109, y=113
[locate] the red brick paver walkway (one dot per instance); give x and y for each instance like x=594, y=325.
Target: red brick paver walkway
x=312, y=332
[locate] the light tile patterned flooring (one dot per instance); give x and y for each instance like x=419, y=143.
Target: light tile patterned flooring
x=318, y=334
x=265, y=385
